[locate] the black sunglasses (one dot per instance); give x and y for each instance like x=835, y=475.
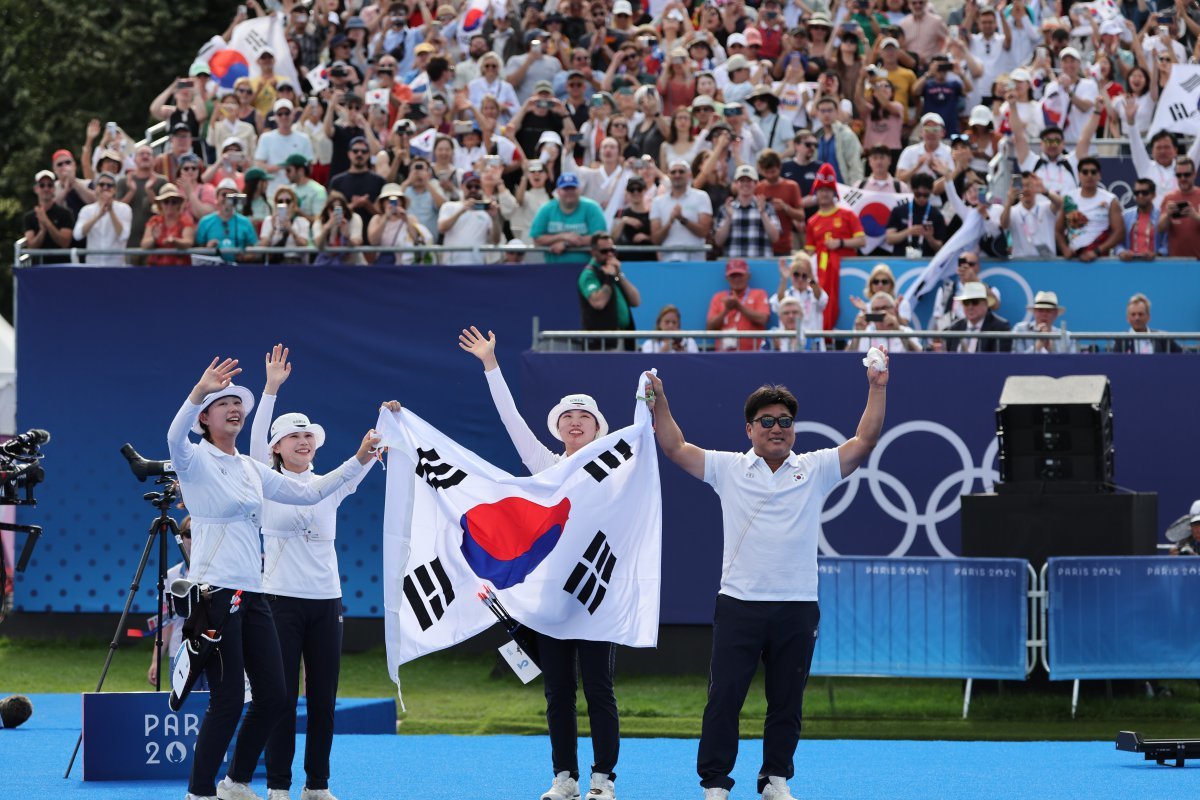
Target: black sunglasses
x=768, y=421
x=1089, y=172
x=605, y=251
x=358, y=151
x=1143, y=192
x=880, y=280
x=1183, y=174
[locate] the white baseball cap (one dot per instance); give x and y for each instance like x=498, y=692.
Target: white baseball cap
x=745, y=171
x=933, y=117
x=232, y=390
x=282, y=102
x=1069, y=51
x=227, y=183
x=576, y=402
x=1195, y=511
x=981, y=115
x=1020, y=74
x=736, y=38
x=622, y=7
x=295, y=423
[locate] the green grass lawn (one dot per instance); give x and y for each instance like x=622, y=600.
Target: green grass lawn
x=448, y=693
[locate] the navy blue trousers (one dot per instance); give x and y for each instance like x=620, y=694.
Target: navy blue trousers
x=782, y=635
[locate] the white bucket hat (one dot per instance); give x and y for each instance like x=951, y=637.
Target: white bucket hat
x=232, y=390
x=576, y=402
x=295, y=423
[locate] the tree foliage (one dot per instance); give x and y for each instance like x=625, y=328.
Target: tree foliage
x=64, y=62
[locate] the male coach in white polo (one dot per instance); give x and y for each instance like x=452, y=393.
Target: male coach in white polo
x=771, y=500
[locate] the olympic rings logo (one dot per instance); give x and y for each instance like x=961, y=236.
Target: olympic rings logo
x=962, y=481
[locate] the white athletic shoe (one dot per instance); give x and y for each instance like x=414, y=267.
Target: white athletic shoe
x=228, y=790
x=315, y=794
x=190, y=796
x=278, y=794
x=564, y=788
x=776, y=789
x=602, y=787
x=716, y=793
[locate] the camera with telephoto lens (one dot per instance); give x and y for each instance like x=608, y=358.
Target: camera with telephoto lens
x=21, y=467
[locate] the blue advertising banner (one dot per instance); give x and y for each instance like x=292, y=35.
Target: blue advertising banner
x=1095, y=294
x=1123, y=617
x=922, y=617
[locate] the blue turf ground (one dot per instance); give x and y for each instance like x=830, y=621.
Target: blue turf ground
x=33, y=758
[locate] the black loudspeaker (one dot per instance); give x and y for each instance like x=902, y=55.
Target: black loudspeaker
x=1056, y=434
x=1038, y=526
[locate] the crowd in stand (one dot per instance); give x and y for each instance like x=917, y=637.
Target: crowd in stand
x=719, y=130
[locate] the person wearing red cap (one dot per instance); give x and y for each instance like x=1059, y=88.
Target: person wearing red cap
x=739, y=308
x=832, y=234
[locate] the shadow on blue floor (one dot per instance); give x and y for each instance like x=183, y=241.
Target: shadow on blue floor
x=34, y=757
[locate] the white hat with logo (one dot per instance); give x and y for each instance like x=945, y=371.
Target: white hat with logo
x=576, y=402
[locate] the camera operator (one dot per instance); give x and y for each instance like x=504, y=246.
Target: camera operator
x=225, y=493
x=1191, y=545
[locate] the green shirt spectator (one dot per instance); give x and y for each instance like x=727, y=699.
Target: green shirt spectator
x=568, y=221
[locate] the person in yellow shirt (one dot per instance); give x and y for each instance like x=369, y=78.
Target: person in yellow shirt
x=265, y=93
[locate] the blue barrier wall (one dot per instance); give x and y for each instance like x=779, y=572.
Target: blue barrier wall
x=106, y=356
x=938, y=443
x=1123, y=617
x=922, y=617
x=1094, y=294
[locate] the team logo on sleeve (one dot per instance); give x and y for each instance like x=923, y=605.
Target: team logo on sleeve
x=505, y=541
x=589, y=580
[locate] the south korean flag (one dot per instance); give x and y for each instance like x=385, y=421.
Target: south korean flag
x=573, y=552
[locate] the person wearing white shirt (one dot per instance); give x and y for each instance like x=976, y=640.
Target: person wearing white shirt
x=796, y=282
x=105, y=224
x=882, y=317
x=468, y=222
x=576, y=422
x=1073, y=92
x=302, y=582
x=225, y=492
x=1029, y=216
x=990, y=47
x=682, y=216
x=275, y=146
x=766, y=610
x=930, y=156
x=1022, y=24
x=1159, y=164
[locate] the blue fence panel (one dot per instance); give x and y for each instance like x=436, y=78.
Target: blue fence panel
x=923, y=617
x=1123, y=617
x=1095, y=294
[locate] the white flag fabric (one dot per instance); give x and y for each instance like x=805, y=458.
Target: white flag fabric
x=1178, y=107
x=573, y=552
x=873, y=209
x=265, y=33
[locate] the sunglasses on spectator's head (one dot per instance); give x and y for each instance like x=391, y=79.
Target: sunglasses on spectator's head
x=768, y=421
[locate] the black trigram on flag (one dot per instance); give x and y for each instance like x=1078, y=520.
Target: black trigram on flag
x=611, y=459
x=431, y=468
x=429, y=593
x=589, y=580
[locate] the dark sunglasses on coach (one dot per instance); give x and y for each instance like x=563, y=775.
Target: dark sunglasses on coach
x=768, y=421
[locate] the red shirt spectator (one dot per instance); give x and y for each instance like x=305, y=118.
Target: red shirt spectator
x=739, y=308
x=831, y=233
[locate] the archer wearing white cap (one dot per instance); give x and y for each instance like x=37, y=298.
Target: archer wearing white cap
x=225, y=492
x=575, y=421
x=302, y=583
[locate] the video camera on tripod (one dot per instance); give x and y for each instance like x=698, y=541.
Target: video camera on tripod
x=20, y=471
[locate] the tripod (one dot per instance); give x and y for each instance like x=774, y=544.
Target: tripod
x=163, y=524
